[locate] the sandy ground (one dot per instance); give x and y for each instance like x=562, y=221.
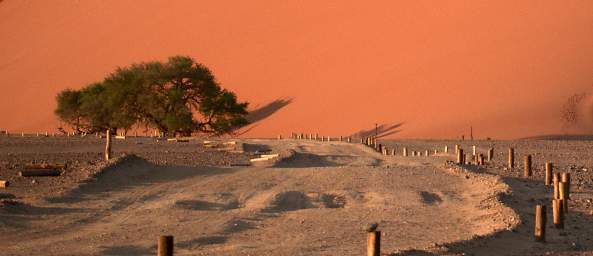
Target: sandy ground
x=314, y=200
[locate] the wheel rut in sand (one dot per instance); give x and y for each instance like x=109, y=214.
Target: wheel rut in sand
x=290, y=210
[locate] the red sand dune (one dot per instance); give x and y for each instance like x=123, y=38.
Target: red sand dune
x=504, y=67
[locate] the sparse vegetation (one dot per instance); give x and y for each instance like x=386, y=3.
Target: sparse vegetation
x=179, y=96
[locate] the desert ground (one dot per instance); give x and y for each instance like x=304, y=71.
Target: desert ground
x=315, y=198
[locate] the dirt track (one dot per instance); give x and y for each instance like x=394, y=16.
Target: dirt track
x=316, y=201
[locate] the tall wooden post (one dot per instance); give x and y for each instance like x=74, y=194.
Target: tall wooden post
x=558, y=214
x=540, y=223
x=527, y=167
x=374, y=243
x=490, y=154
x=511, y=158
x=165, y=246
x=473, y=150
x=460, y=156
x=108, y=144
x=549, y=171
x=566, y=180
x=556, y=180
x=405, y=151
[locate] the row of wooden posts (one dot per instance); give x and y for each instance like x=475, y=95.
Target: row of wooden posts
x=316, y=137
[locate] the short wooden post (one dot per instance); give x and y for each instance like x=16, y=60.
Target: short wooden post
x=566, y=180
x=490, y=154
x=405, y=151
x=473, y=150
x=341, y=138
x=425, y=152
x=446, y=149
x=563, y=196
x=540, y=223
x=558, y=215
x=511, y=158
x=456, y=148
x=556, y=180
x=393, y=152
x=108, y=144
x=459, y=156
x=436, y=152
x=349, y=140
x=165, y=246
x=549, y=171
x=527, y=166
x=374, y=243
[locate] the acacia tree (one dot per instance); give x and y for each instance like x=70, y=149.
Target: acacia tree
x=179, y=96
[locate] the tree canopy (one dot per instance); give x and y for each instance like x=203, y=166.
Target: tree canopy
x=179, y=96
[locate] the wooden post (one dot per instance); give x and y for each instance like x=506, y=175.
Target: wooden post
x=446, y=149
x=540, y=223
x=425, y=152
x=165, y=246
x=4, y=183
x=558, y=214
x=527, y=167
x=436, y=152
x=393, y=152
x=549, y=171
x=456, y=148
x=566, y=180
x=490, y=154
x=463, y=161
x=563, y=196
x=556, y=180
x=108, y=144
x=374, y=243
x=349, y=140
x=473, y=150
x=511, y=158
x=481, y=159
x=460, y=156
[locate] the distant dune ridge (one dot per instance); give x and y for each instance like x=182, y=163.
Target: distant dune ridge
x=503, y=68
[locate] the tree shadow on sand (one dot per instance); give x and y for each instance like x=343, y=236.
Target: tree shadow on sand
x=261, y=113
x=381, y=131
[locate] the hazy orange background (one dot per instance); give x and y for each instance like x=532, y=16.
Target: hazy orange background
x=504, y=67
